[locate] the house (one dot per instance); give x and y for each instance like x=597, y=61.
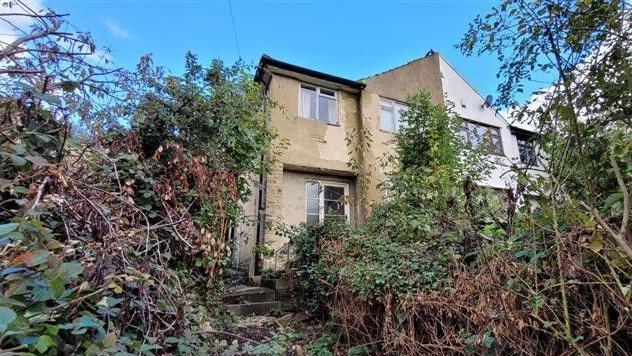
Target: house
x=316, y=175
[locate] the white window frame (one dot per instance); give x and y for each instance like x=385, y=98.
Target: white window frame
x=321, y=198
x=531, y=143
x=393, y=104
x=488, y=133
x=318, y=95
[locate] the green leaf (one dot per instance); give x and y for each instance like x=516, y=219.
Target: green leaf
x=72, y=269
x=6, y=317
x=488, y=341
x=52, y=329
x=149, y=347
x=596, y=244
x=359, y=351
x=38, y=161
x=17, y=161
x=43, y=343
x=20, y=189
x=10, y=302
x=89, y=321
x=7, y=228
x=5, y=183
x=109, y=340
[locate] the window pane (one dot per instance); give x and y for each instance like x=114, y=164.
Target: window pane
x=527, y=152
x=399, y=110
x=464, y=132
x=334, y=193
x=334, y=201
x=327, y=110
x=327, y=92
x=496, y=145
x=312, y=190
x=308, y=102
x=334, y=207
x=387, y=120
x=477, y=135
x=312, y=219
x=312, y=206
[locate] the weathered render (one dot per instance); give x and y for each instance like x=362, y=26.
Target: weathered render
x=328, y=154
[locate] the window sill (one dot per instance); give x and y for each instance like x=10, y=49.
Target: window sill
x=317, y=121
x=389, y=132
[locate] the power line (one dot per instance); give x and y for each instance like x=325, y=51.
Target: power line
x=232, y=18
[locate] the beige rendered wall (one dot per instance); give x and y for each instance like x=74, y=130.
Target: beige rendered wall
x=312, y=144
x=315, y=149
x=312, y=148
x=398, y=84
x=246, y=230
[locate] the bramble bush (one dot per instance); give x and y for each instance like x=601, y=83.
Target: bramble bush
x=460, y=269
x=113, y=239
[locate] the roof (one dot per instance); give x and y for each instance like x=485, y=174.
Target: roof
x=267, y=61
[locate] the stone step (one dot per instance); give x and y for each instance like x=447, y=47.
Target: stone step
x=246, y=294
x=279, y=284
x=261, y=308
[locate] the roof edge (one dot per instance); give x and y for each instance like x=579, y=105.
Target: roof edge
x=431, y=53
x=266, y=61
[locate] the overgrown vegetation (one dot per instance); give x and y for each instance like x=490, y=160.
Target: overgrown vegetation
x=444, y=267
x=114, y=242
x=118, y=189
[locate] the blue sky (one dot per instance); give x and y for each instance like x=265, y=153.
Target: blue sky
x=349, y=38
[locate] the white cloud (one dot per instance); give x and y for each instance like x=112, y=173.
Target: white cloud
x=100, y=57
x=117, y=30
x=15, y=24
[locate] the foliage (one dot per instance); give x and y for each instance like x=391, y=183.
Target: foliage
x=430, y=154
x=585, y=133
x=355, y=275
x=114, y=242
x=445, y=267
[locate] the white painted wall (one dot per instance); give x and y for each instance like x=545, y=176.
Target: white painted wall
x=468, y=103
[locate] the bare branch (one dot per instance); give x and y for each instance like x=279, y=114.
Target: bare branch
x=8, y=51
x=626, y=195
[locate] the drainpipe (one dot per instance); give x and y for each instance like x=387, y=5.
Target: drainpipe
x=262, y=195
x=261, y=220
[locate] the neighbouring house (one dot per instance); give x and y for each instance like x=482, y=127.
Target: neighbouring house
x=316, y=175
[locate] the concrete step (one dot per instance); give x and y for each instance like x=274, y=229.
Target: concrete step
x=277, y=283
x=235, y=277
x=261, y=308
x=246, y=294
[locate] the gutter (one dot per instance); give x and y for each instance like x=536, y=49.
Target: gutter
x=266, y=62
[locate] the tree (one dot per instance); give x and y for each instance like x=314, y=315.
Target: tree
x=584, y=49
x=584, y=115
x=113, y=238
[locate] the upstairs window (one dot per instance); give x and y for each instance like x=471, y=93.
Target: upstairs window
x=390, y=114
x=477, y=135
x=318, y=104
x=526, y=148
x=326, y=200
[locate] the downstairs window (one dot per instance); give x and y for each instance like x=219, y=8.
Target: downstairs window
x=326, y=200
